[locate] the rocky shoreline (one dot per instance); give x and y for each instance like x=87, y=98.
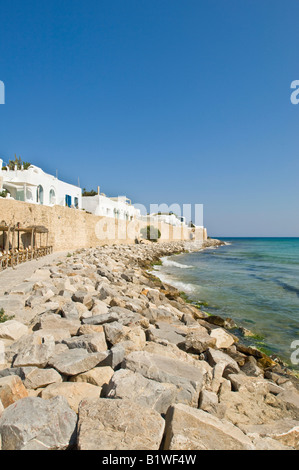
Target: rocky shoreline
x=99, y=354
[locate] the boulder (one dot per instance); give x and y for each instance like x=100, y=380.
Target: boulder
x=191, y=429
x=51, y=321
x=12, y=330
x=94, y=342
x=36, y=424
x=165, y=332
x=223, y=339
x=70, y=311
x=215, y=356
x=76, y=361
x=38, y=378
x=157, y=314
x=118, y=425
x=251, y=368
x=187, y=378
x=99, y=308
x=11, y=390
x=84, y=298
x=99, y=376
x=114, y=332
x=252, y=384
x=198, y=341
x=219, y=321
x=126, y=384
x=285, y=431
x=208, y=401
x=89, y=329
x=74, y=392
x=34, y=350
x=290, y=398
x=252, y=406
x=101, y=319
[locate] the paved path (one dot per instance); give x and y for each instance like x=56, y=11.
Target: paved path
x=12, y=277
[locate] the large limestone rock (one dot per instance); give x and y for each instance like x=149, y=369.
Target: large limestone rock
x=198, y=341
x=58, y=334
x=223, y=339
x=134, y=336
x=165, y=331
x=291, y=398
x=51, y=321
x=99, y=376
x=99, y=308
x=94, y=342
x=126, y=384
x=38, y=378
x=76, y=361
x=191, y=429
x=158, y=314
x=106, y=424
x=187, y=378
x=251, y=405
x=215, y=356
x=285, y=431
x=74, y=392
x=101, y=319
x=11, y=390
x=36, y=424
x=34, y=350
x=13, y=330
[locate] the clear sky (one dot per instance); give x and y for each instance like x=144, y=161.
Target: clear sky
x=166, y=101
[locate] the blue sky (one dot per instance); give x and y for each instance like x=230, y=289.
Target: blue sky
x=166, y=101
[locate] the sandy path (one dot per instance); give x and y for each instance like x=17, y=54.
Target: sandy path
x=12, y=277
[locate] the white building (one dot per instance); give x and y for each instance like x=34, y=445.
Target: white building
x=117, y=207
x=37, y=187
x=170, y=219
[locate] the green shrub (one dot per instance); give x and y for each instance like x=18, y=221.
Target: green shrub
x=150, y=233
x=3, y=317
x=89, y=193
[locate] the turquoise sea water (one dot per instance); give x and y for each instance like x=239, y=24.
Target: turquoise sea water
x=254, y=281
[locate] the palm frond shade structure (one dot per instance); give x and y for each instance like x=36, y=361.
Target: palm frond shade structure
x=32, y=246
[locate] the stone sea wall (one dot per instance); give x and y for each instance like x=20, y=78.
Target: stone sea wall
x=71, y=229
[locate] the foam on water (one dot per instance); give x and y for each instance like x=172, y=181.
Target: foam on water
x=169, y=262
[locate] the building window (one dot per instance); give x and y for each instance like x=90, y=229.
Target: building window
x=40, y=194
x=68, y=200
x=76, y=203
x=52, y=197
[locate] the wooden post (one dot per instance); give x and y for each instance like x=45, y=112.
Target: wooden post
x=7, y=239
x=13, y=247
x=32, y=240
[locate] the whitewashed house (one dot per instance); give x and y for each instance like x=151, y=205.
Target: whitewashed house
x=37, y=187
x=168, y=218
x=116, y=207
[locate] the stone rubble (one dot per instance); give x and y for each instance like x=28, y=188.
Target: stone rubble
x=100, y=354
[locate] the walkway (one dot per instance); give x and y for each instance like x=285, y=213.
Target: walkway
x=12, y=277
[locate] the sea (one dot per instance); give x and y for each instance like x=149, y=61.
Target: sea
x=254, y=281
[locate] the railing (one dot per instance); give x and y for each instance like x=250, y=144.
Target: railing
x=12, y=258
